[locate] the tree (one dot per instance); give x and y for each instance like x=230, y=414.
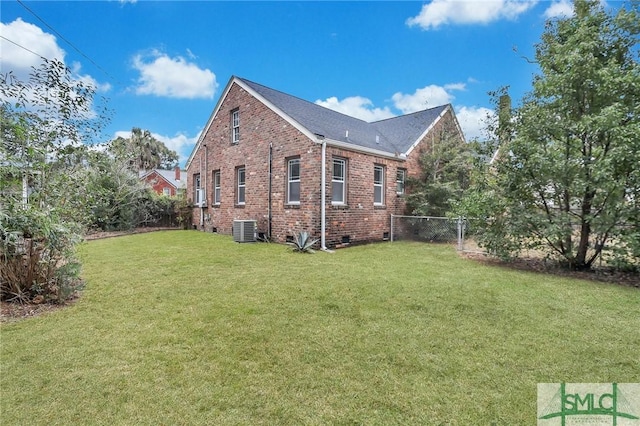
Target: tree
x=40, y=119
x=116, y=194
x=446, y=167
x=566, y=180
x=142, y=151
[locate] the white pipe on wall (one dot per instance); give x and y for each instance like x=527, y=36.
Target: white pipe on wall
x=323, y=190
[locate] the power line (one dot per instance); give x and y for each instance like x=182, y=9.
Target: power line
x=22, y=47
x=66, y=41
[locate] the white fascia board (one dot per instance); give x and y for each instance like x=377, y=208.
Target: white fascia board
x=455, y=118
x=145, y=174
x=210, y=121
x=351, y=147
x=432, y=125
x=277, y=110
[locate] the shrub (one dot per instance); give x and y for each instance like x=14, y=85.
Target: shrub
x=303, y=243
x=37, y=256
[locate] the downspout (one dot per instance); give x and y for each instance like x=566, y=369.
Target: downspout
x=270, y=212
x=323, y=201
x=204, y=186
x=201, y=209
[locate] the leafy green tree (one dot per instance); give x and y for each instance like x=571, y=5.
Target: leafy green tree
x=142, y=151
x=41, y=201
x=116, y=197
x=446, y=166
x=566, y=177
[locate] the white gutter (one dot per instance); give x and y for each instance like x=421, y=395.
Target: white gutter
x=377, y=152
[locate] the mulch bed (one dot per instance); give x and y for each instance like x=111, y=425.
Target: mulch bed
x=539, y=265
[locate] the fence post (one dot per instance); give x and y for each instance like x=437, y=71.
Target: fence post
x=460, y=241
x=391, y=228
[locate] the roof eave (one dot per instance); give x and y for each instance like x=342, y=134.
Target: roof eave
x=260, y=98
x=210, y=121
x=428, y=129
x=365, y=150
x=304, y=130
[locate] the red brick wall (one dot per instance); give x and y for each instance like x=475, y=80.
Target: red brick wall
x=358, y=220
x=413, y=160
x=259, y=127
x=158, y=183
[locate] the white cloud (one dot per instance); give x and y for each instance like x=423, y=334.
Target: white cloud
x=18, y=59
x=473, y=121
x=443, y=12
x=559, y=9
x=88, y=80
x=427, y=97
x=356, y=106
x=162, y=75
x=180, y=143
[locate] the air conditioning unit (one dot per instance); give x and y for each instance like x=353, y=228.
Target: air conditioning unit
x=244, y=231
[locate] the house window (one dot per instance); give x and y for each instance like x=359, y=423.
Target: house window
x=401, y=176
x=240, y=178
x=378, y=185
x=197, y=193
x=338, y=181
x=235, y=126
x=166, y=191
x=293, y=181
x=216, y=187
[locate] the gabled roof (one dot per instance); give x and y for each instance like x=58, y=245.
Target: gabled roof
x=392, y=137
x=168, y=175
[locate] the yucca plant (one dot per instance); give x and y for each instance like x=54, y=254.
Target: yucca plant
x=303, y=243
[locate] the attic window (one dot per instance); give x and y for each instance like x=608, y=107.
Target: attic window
x=235, y=126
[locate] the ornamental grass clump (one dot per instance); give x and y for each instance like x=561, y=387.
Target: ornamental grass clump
x=303, y=243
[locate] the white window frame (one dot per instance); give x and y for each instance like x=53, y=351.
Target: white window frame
x=291, y=180
x=235, y=126
x=339, y=180
x=216, y=187
x=196, y=189
x=401, y=180
x=166, y=191
x=378, y=185
x=241, y=195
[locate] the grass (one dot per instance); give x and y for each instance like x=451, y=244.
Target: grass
x=183, y=327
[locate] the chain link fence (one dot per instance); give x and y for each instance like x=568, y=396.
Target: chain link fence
x=463, y=232
x=432, y=229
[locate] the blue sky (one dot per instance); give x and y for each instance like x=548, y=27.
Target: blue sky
x=164, y=64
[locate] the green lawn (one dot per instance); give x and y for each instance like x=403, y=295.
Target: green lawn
x=183, y=327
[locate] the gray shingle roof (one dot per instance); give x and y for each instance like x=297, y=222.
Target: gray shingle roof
x=393, y=135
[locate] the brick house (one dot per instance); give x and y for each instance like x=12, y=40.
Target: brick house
x=271, y=157
x=165, y=182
